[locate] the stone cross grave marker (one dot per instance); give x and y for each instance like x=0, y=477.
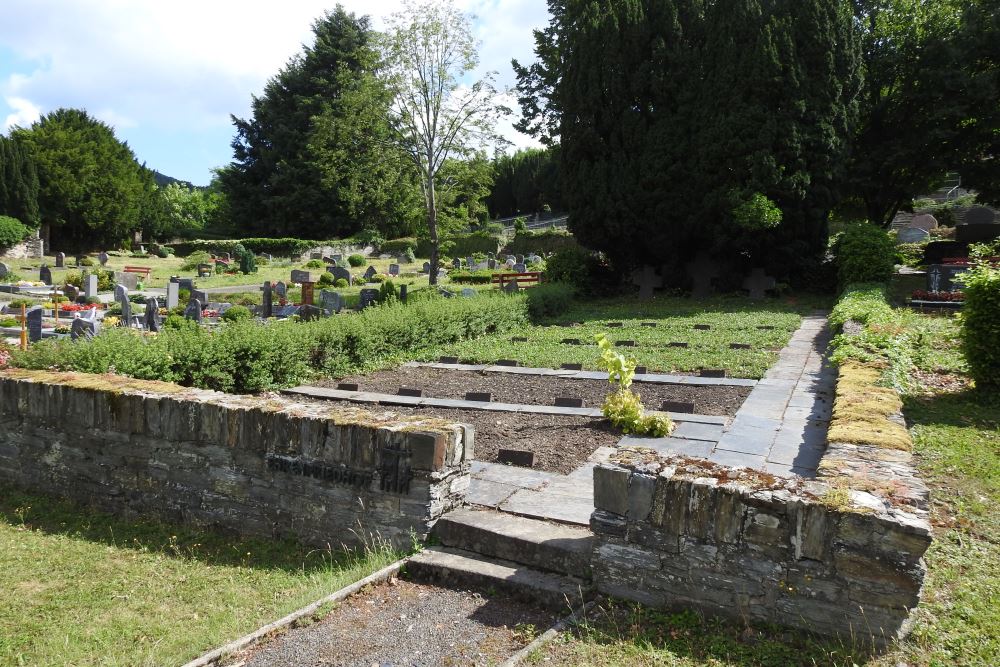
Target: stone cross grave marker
x=60, y=260
x=941, y=277
x=173, y=295
x=267, y=307
x=647, y=280
x=368, y=297
x=702, y=271
x=45, y=275
x=121, y=296
x=911, y=235
x=103, y=258
x=84, y=328
x=757, y=283
x=193, y=310
x=90, y=286
x=331, y=301
x=151, y=318
x=34, y=321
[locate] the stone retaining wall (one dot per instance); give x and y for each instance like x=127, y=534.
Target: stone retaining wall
x=810, y=554
x=259, y=466
x=30, y=248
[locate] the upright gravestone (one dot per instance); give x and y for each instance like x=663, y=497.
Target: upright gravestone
x=103, y=258
x=309, y=312
x=979, y=215
x=511, y=287
x=911, y=235
x=519, y=268
x=299, y=276
x=491, y=264
x=201, y=295
x=647, y=280
x=121, y=296
x=151, y=318
x=308, y=291
x=60, y=260
x=90, y=286
x=128, y=279
x=71, y=292
x=79, y=260
x=84, y=328
x=267, y=307
x=979, y=226
x=924, y=221
x=368, y=297
x=469, y=263
x=281, y=290
x=426, y=268
x=193, y=310
x=941, y=277
x=703, y=271
x=510, y=262
x=341, y=273
x=757, y=283
x=34, y=322
x=519, y=259
x=173, y=295
x=4, y=270
x=402, y=293
x=455, y=264
x=394, y=269
x=331, y=301
x=45, y=275
x=370, y=272
x=469, y=292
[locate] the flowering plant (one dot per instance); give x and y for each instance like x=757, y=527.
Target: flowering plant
x=924, y=295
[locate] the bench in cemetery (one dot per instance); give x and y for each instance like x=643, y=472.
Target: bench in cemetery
x=523, y=280
x=144, y=270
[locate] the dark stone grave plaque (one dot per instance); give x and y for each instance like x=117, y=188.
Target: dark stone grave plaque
x=519, y=339
x=571, y=341
x=766, y=327
x=712, y=372
x=348, y=386
x=678, y=406
x=34, y=323
x=407, y=391
x=300, y=276
x=702, y=327
x=516, y=457
x=626, y=343
x=505, y=362
x=368, y=297
x=739, y=346
x=941, y=277
x=640, y=370
x=615, y=325
x=572, y=367
x=447, y=360
x=480, y=396
x=651, y=325
x=677, y=344
x=568, y=402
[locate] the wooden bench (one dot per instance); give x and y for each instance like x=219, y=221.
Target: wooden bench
x=144, y=270
x=523, y=280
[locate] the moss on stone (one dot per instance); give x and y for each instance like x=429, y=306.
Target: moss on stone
x=862, y=410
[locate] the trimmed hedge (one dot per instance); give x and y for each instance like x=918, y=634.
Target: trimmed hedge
x=981, y=325
x=471, y=277
x=399, y=246
x=864, y=254
x=284, y=247
x=248, y=356
x=12, y=231
x=549, y=240
x=462, y=245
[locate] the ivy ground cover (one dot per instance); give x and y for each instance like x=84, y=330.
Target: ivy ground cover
x=765, y=326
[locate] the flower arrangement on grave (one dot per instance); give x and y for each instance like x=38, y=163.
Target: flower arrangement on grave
x=76, y=307
x=623, y=407
x=4, y=356
x=111, y=321
x=924, y=295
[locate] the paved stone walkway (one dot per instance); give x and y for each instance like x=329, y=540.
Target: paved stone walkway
x=780, y=428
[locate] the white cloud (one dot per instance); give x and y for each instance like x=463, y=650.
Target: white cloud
x=24, y=113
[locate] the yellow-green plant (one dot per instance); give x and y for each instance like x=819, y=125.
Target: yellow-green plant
x=623, y=407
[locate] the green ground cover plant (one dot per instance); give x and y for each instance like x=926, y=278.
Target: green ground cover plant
x=82, y=588
x=732, y=320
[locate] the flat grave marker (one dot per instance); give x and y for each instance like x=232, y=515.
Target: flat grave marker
x=702, y=327
x=626, y=343
x=516, y=457
x=519, y=339
x=677, y=344
x=347, y=386
x=712, y=372
x=571, y=341
x=572, y=367
x=447, y=360
x=506, y=362
x=568, y=402
x=409, y=391
x=739, y=346
x=678, y=406
x=615, y=325
x=640, y=370
x=479, y=396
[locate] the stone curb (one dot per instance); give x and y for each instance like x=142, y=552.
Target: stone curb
x=213, y=657
x=547, y=636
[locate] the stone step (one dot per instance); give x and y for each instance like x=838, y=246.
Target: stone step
x=459, y=568
x=537, y=544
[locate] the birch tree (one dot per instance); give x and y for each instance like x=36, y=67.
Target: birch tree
x=437, y=113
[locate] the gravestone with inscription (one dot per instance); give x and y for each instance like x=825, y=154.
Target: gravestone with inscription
x=924, y=221
x=84, y=328
x=331, y=301
x=89, y=286
x=519, y=268
x=941, y=277
x=151, y=317
x=267, y=306
x=758, y=283
x=367, y=298
x=370, y=272
x=71, y=292
x=341, y=273
x=128, y=279
x=193, y=310
x=45, y=275
x=60, y=260
x=281, y=290
x=173, y=295
x=34, y=322
x=121, y=296
x=299, y=276
x=455, y=263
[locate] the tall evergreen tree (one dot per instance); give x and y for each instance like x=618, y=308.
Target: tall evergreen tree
x=525, y=182
x=282, y=180
x=92, y=193
x=18, y=183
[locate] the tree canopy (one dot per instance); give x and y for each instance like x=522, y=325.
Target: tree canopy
x=18, y=183
x=92, y=192
x=525, y=182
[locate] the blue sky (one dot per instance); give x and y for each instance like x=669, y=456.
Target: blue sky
x=167, y=76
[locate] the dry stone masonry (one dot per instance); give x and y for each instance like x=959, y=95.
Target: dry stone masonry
x=810, y=554
x=259, y=466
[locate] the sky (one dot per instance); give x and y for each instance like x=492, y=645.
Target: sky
x=167, y=75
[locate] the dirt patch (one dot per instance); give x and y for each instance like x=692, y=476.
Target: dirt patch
x=560, y=443
x=541, y=389
x=404, y=623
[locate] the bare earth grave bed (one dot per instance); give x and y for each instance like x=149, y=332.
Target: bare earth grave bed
x=540, y=389
x=406, y=623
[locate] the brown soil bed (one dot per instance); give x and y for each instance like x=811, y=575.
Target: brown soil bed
x=540, y=389
x=405, y=623
x=561, y=444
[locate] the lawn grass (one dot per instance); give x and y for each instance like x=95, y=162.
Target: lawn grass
x=732, y=320
x=82, y=588
x=956, y=434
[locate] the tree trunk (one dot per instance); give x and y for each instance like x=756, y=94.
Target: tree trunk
x=432, y=227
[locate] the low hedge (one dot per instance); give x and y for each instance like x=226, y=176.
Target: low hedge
x=543, y=242
x=981, y=325
x=248, y=356
x=471, y=277
x=283, y=247
x=461, y=245
x=399, y=246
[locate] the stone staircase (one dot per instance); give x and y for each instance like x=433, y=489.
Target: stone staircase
x=493, y=551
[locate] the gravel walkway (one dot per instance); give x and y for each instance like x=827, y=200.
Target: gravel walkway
x=404, y=624
x=540, y=389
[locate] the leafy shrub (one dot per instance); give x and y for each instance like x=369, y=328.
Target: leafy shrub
x=399, y=246
x=542, y=242
x=194, y=259
x=910, y=254
x=341, y=283
x=461, y=245
x=573, y=266
x=757, y=212
x=462, y=276
x=356, y=260
x=981, y=325
x=549, y=299
x=623, y=407
x=409, y=256
x=9, y=322
x=12, y=231
x=865, y=254
x=87, y=261
x=388, y=293
x=314, y=264
x=325, y=279
x=237, y=313
x=520, y=225
x=371, y=237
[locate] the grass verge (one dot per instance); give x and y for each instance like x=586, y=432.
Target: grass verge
x=84, y=588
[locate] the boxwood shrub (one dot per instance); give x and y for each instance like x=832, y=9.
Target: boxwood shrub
x=865, y=254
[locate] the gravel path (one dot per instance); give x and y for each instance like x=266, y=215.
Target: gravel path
x=540, y=389
x=404, y=624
